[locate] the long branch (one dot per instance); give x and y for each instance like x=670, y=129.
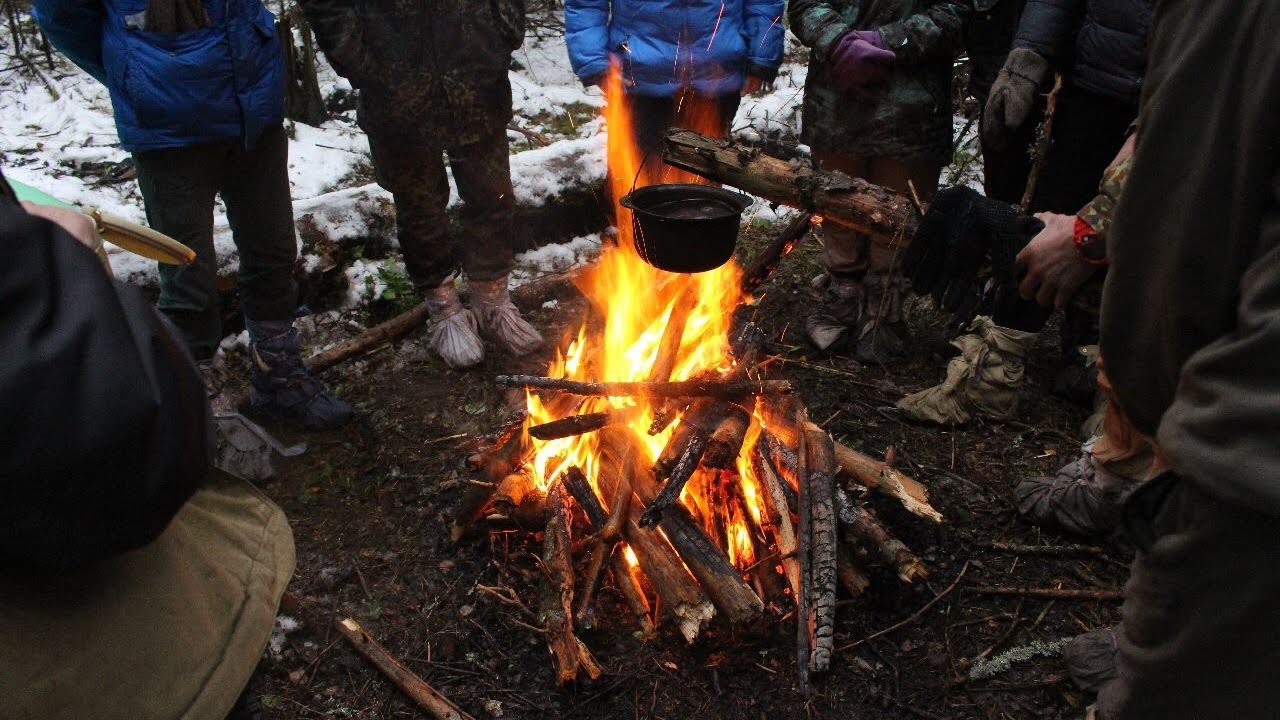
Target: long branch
x=683, y=388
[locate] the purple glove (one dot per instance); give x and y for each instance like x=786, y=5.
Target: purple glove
x=859, y=59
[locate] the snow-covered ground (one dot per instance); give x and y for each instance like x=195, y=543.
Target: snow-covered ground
x=47, y=142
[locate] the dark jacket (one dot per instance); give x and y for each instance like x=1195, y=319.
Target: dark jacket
x=105, y=424
x=1100, y=45
x=1191, y=312
x=988, y=36
x=168, y=90
x=666, y=45
x=431, y=72
x=908, y=118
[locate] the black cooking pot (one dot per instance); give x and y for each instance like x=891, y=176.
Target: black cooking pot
x=683, y=227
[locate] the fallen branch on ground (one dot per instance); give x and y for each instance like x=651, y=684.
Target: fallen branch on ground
x=425, y=696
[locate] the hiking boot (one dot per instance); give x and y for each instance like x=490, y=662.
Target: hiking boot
x=1083, y=498
x=500, y=319
x=1091, y=659
x=983, y=379
x=453, y=332
x=860, y=314
x=281, y=385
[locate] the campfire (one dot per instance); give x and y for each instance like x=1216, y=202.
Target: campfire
x=657, y=451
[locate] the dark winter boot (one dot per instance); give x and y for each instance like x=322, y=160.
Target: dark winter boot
x=1091, y=659
x=1083, y=498
x=282, y=386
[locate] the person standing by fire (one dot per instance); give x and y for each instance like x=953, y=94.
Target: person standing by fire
x=685, y=66
x=197, y=91
x=433, y=81
x=877, y=105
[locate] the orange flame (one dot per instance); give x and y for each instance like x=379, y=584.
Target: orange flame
x=636, y=301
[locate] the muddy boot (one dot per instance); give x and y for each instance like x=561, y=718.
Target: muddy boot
x=882, y=334
x=841, y=304
x=1091, y=659
x=1083, y=498
x=500, y=319
x=983, y=379
x=281, y=385
x=453, y=332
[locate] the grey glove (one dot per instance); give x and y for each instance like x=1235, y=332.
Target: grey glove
x=1013, y=95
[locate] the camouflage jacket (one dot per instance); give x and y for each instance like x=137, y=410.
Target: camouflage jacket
x=911, y=116
x=430, y=72
x=1097, y=213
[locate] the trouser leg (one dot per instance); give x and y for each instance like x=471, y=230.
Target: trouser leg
x=1005, y=171
x=845, y=252
x=178, y=187
x=255, y=189
x=416, y=178
x=1201, y=630
x=482, y=172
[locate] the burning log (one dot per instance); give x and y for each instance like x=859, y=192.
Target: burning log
x=725, y=443
x=494, y=466
x=631, y=593
x=570, y=426
x=680, y=594
x=715, y=574
x=804, y=627
x=734, y=390
x=866, y=527
x=557, y=594
x=779, y=517
x=881, y=477
x=886, y=216
x=821, y=466
x=689, y=448
x=763, y=265
x=672, y=334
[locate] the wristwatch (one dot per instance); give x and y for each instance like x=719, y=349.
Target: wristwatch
x=1091, y=246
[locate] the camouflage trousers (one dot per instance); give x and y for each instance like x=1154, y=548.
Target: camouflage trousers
x=416, y=178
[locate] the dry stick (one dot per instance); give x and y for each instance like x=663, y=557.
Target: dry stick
x=1047, y=549
x=1051, y=593
x=602, y=548
x=673, y=333
x=690, y=424
x=763, y=265
x=684, y=388
x=369, y=339
x=570, y=426
x=556, y=594
x=821, y=464
x=804, y=530
x=575, y=481
x=1043, y=142
x=882, y=478
x=725, y=442
x=779, y=516
x=864, y=526
x=679, y=592
x=425, y=696
x=533, y=135
x=911, y=618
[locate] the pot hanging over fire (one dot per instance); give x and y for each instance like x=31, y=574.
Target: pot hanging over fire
x=685, y=228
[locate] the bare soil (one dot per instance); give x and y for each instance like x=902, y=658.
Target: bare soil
x=370, y=506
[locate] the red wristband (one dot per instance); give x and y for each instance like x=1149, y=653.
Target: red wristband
x=1089, y=244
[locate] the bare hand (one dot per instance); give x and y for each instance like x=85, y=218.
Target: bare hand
x=751, y=85
x=80, y=226
x=1050, y=268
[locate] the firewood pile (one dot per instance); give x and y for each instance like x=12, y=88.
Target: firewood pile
x=707, y=496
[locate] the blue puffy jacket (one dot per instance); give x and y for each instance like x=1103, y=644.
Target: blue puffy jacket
x=664, y=45
x=168, y=90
